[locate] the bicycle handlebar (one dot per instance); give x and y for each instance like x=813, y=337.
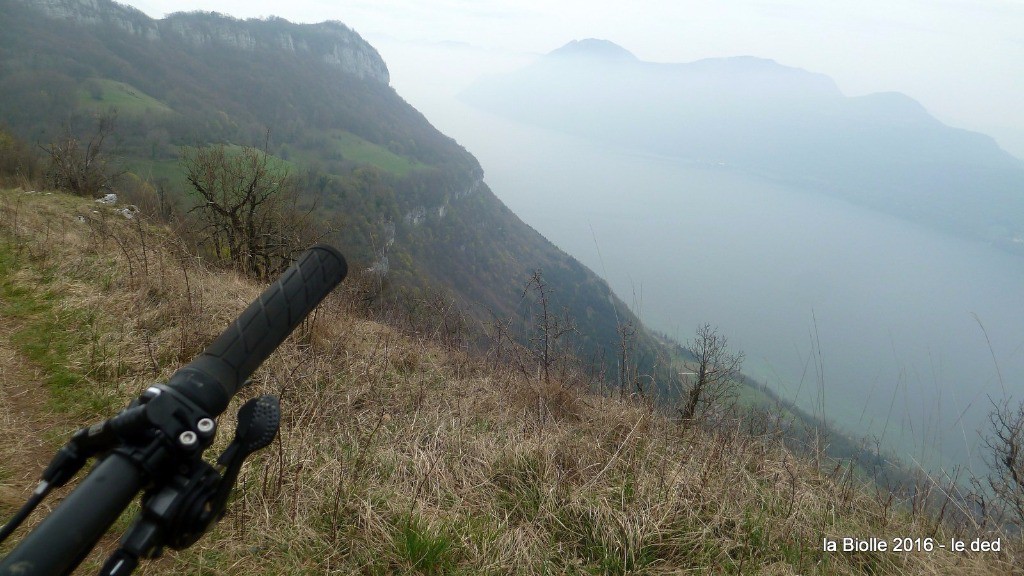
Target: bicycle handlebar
x=209, y=382
x=213, y=378
x=67, y=535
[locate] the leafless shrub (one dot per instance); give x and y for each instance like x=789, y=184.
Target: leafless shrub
x=248, y=209
x=81, y=167
x=1005, y=458
x=713, y=382
x=629, y=376
x=434, y=315
x=548, y=328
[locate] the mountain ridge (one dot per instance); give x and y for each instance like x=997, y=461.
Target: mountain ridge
x=881, y=150
x=348, y=50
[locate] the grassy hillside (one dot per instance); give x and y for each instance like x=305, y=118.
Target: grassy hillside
x=399, y=454
x=401, y=196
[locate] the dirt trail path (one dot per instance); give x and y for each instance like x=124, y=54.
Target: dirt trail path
x=24, y=425
x=28, y=442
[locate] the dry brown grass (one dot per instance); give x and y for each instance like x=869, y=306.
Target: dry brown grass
x=398, y=455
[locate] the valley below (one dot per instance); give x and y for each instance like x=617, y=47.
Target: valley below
x=894, y=331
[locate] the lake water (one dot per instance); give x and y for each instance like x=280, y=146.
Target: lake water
x=882, y=321
x=877, y=319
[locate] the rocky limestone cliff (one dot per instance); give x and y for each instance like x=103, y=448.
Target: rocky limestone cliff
x=332, y=42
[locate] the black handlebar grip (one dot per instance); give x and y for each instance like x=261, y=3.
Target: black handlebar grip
x=215, y=375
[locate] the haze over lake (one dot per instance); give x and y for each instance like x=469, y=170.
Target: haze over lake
x=881, y=316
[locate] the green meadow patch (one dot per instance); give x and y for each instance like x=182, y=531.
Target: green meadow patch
x=356, y=149
x=102, y=94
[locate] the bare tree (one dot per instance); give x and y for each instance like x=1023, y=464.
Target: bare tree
x=247, y=206
x=550, y=327
x=1005, y=458
x=82, y=168
x=629, y=376
x=713, y=383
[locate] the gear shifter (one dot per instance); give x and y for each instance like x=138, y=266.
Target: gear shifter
x=178, y=511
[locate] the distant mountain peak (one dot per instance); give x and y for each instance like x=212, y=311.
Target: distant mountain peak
x=593, y=48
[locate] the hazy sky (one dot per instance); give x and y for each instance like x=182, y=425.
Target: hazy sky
x=962, y=59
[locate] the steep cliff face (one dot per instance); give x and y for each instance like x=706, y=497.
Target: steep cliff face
x=97, y=12
x=331, y=42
